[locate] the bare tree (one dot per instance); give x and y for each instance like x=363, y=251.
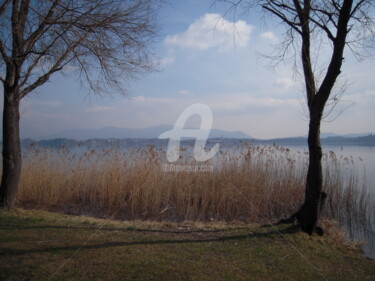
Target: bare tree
x=341, y=24
x=105, y=41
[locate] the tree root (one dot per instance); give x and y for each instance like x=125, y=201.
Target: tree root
x=297, y=216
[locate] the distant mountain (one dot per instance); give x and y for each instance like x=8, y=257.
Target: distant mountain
x=368, y=140
x=110, y=132
x=332, y=135
x=127, y=133
x=328, y=135
x=356, y=135
x=215, y=133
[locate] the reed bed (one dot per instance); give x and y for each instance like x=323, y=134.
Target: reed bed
x=248, y=183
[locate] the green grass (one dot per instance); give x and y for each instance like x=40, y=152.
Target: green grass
x=37, y=245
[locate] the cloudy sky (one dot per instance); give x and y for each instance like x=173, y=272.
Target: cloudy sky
x=213, y=59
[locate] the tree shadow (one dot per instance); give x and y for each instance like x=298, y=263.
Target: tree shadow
x=271, y=233
x=172, y=231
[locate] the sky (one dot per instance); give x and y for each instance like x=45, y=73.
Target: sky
x=206, y=56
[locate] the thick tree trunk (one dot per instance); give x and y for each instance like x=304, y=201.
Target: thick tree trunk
x=309, y=212
x=11, y=151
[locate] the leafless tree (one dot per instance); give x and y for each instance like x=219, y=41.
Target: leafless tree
x=340, y=24
x=106, y=41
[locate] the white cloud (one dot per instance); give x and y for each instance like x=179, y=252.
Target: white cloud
x=213, y=31
x=269, y=35
x=284, y=83
x=353, y=114
x=30, y=107
x=99, y=108
x=183, y=92
x=261, y=117
x=32, y=103
x=68, y=69
x=240, y=103
x=167, y=60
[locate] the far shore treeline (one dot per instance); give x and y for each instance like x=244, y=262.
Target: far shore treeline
x=368, y=140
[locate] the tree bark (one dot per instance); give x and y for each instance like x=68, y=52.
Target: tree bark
x=309, y=212
x=11, y=150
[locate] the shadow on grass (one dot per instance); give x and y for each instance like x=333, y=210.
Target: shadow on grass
x=183, y=230
x=85, y=246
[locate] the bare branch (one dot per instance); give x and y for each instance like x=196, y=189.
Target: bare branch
x=323, y=25
x=4, y=55
x=357, y=7
x=280, y=15
x=4, y=6
x=108, y=40
x=29, y=42
x=22, y=17
x=334, y=68
x=56, y=67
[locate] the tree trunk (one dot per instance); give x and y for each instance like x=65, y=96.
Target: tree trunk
x=309, y=212
x=11, y=150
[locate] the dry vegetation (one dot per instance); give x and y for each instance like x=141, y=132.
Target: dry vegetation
x=250, y=183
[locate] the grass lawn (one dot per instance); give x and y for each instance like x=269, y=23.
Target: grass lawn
x=38, y=245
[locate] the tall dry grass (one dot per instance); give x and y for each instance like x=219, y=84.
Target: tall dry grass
x=351, y=199
x=253, y=183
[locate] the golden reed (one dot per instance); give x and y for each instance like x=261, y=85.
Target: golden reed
x=251, y=184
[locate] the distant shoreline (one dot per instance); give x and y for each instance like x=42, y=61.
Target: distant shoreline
x=368, y=141
x=363, y=141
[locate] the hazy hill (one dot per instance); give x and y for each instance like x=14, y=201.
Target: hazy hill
x=368, y=140
x=142, y=133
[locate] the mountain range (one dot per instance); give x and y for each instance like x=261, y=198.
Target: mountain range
x=106, y=135
x=127, y=133
x=155, y=131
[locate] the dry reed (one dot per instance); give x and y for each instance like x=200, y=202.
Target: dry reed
x=252, y=184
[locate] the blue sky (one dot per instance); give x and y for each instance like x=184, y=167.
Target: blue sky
x=205, y=57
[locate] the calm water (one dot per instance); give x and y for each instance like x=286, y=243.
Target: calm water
x=363, y=158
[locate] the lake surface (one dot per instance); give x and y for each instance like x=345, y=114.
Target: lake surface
x=362, y=158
